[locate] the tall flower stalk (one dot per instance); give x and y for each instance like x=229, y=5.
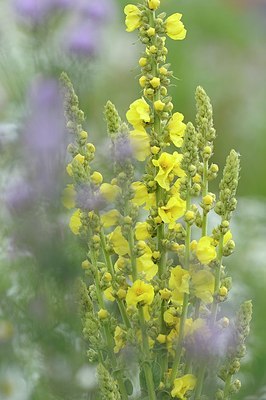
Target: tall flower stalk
x=154, y=274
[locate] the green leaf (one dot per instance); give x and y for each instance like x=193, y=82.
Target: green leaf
x=157, y=373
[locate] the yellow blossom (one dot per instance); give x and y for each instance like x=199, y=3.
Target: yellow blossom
x=145, y=264
x=138, y=114
x=203, y=283
x=110, y=218
x=153, y=4
x=142, y=231
x=174, y=27
x=182, y=385
x=159, y=105
x=119, y=338
x=142, y=81
x=176, y=129
x=155, y=82
x=143, y=61
x=102, y=313
x=168, y=163
x=133, y=17
x=68, y=197
x=170, y=317
x=142, y=196
x=205, y=251
x=140, y=293
x=173, y=210
x=161, y=338
x=179, y=279
x=109, y=294
x=79, y=159
x=109, y=192
x=96, y=178
x=119, y=243
x=140, y=144
x=75, y=222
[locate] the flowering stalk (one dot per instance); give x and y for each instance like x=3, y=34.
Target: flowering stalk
x=150, y=286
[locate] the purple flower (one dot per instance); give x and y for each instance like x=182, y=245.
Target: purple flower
x=38, y=10
x=89, y=199
x=97, y=10
x=83, y=38
x=44, y=138
x=19, y=196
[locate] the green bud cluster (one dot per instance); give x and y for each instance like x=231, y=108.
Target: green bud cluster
x=228, y=186
x=107, y=385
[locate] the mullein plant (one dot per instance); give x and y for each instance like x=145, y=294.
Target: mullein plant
x=155, y=277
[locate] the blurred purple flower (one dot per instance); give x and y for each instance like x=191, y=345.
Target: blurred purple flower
x=98, y=10
x=122, y=149
x=83, y=39
x=44, y=135
x=19, y=196
x=88, y=199
x=37, y=10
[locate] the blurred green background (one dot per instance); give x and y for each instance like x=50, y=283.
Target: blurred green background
x=225, y=53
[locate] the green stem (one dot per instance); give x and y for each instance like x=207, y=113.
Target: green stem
x=186, y=295
x=147, y=361
x=110, y=268
x=200, y=381
x=107, y=332
x=217, y=278
x=227, y=387
x=204, y=193
x=132, y=255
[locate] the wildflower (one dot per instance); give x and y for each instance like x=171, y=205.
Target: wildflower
x=119, y=338
x=140, y=144
x=153, y=4
x=110, y=218
x=133, y=17
x=109, y=294
x=179, y=280
x=176, y=129
x=142, y=196
x=138, y=114
x=96, y=178
x=174, y=27
x=140, y=293
x=173, y=210
x=119, y=243
x=145, y=263
x=75, y=222
x=69, y=195
x=182, y=385
x=167, y=163
x=205, y=251
x=109, y=192
x=142, y=231
x=203, y=283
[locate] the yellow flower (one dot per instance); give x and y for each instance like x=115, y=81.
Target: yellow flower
x=142, y=196
x=102, y=313
x=110, y=218
x=145, y=263
x=119, y=338
x=228, y=236
x=174, y=27
x=133, y=17
x=138, y=114
x=79, y=159
x=140, y=144
x=68, y=197
x=75, y=222
x=109, y=192
x=142, y=231
x=203, y=283
x=96, y=178
x=168, y=163
x=155, y=82
x=140, y=292
x=158, y=105
x=119, y=243
x=179, y=279
x=205, y=251
x=170, y=317
x=182, y=385
x=174, y=209
x=109, y=294
x=176, y=129
x=153, y=4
